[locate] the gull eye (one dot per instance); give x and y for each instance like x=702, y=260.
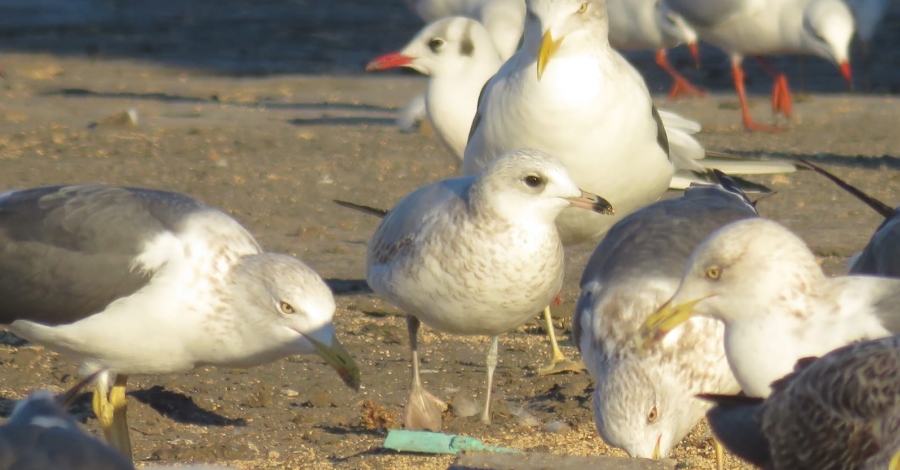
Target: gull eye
x=286, y=308
x=713, y=273
x=583, y=8
x=654, y=413
x=534, y=181
x=435, y=44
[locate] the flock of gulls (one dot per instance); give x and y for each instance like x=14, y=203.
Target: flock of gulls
x=689, y=306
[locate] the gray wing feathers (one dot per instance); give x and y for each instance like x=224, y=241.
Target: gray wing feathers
x=28, y=447
x=659, y=238
x=881, y=256
x=67, y=252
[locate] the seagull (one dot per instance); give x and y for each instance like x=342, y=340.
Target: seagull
x=768, y=27
x=458, y=56
x=40, y=434
x=648, y=25
x=568, y=93
x=644, y=403
x=838, y=411
x=881, y=256
x=503, y=20
x=476, y=255
x=140, y=281
x=763, y=282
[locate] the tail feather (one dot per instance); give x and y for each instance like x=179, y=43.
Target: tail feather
x=380, y=213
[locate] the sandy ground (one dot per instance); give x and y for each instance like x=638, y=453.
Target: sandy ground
x=269, y=119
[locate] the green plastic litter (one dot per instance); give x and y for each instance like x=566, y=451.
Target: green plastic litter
x=436, y=442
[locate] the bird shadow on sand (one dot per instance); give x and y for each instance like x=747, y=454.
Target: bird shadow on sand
x=348, y=286
x=214, y=99
x=181, y=408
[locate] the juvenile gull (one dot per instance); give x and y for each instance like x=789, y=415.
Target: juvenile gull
x=840, y=411
x=649, y=25
x=644, y=402
x=764, y=283
x=139, y=281
x=769, y=27
x=477, y=255
x=881, y=256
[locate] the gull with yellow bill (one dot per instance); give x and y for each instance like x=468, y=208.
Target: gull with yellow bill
x=778, y=306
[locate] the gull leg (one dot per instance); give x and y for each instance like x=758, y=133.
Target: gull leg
x=558, y=361
x=738, y=73
x=720, y=454
x=423, y=410
x=491, y=365
x=681, y=86
x=781, y=95
x=111, y=411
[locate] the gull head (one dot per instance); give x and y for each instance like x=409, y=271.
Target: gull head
x=742, y=271
x=445, y=46
x=549, y=22
x=534, y=185
x=287, y=309
x=635, y=410
x=827, y=31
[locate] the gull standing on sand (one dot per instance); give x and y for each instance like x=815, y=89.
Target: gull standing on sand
x=139, y=281
x=649, y=25
x=881, y=256
x=476, y=255
x=568, y=93
x=644, y=401
x=840, y=411
x=770, y=27
x=778, y=306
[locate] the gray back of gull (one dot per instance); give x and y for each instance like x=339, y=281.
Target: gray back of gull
x=66, y=252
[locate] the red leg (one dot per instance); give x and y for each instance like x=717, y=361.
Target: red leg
x=781, y=95
x=749, y=124
x=681, y=86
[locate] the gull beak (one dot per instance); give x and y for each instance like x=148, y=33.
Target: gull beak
x=664, y=320
x=694, y=49
x=388, y=61
x=591, y=202
x=549, y=47
x=66, y=398
x=656, y=455
x=846, y=72
x=338, y=358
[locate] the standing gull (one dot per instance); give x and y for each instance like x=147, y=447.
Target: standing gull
x=840, y=411
x=644, y=402
x=881, y=256
x=476, y=255
x=768, y=27
x=568, y=93
x=763, y=282
x=139, y=281
x=648, y=25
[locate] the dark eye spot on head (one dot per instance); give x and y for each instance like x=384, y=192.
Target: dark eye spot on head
x=466, y=47
x=435, y=44
x=534, y=181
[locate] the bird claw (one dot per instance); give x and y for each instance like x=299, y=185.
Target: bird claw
x=558, y=365
x=423, y=411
